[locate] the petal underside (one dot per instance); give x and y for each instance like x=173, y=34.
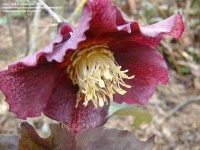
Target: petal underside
x=102, y=23
x=108, y=26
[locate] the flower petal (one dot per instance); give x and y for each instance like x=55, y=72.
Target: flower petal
x=27, y=89
x=148, y=35
x=98, y=17
x=146, y=64
x=63, y=34
x=61, y=107
x=77, y=36
x=102, y=23
x=65, y=30
x=28, y=82
x=106, y=20
x=88, y=117
x=108, y=26
x=172, y=26
x=62, y=101
x=103, y=17
x=152, y=34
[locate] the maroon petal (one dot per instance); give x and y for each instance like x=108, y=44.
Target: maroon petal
x=146, y=64
x=77, y=36
x=103, y=17
x=152, y=34
x=103, y=23
x=98, y=17
x=29, y=81
x=61, y=107
x=149, y=35
x=88, y=117
x=64, y=32
x=108, y=26
x=172, y=26
x=62, y=101
x=27, y=89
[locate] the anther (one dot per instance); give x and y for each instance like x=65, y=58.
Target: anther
x=97, y=74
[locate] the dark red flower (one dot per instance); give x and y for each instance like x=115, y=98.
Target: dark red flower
x=74, y=77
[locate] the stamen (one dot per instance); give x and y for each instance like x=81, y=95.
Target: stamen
x=97, y=74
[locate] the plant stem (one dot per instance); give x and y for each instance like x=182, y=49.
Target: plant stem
x=27, y=33
x=11, y=34
x=53, y=14
x=77, y=11
x=32, y=42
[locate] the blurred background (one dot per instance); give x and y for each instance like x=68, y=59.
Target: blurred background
x=174, y=107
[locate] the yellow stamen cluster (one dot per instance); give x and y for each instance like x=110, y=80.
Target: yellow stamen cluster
x=97, y=74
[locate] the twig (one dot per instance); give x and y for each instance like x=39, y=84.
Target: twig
x=132, y=6
x=27, y=33
x=158, y=10
x=45, y=26
x=53, y=14
x=45, y=30
x=170, y=52
x=32, y=43
x=77, y=11
x=188, y=64
x=181, y=105
x=187, y=8
x=11, y=34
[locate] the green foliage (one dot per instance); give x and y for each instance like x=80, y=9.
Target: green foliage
x=183, y=70
x=136, y=111
x=3, y=20
x=18, y=14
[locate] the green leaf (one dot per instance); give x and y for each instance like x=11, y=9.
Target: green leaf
x=3, y=20
x=18, y=14
x=183, y=69
x=137, y=112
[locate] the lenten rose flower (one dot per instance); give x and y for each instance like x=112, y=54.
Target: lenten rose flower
x=74, y=77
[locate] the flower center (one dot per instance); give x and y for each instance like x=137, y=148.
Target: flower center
x=97, y=74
